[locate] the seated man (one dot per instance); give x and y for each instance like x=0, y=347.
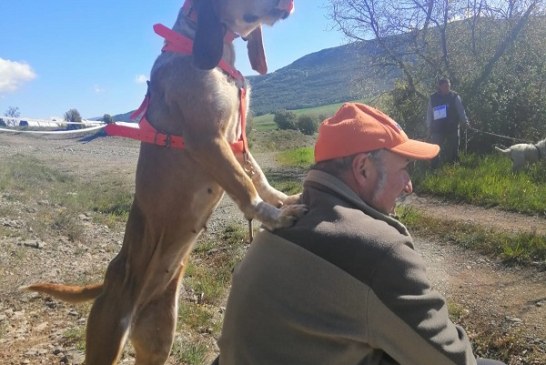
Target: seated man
x=344, y=285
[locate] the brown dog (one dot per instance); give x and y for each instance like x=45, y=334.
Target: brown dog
x=177, y=190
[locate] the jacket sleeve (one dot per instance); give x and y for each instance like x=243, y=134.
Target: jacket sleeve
x=460, y=110
x=409, y=320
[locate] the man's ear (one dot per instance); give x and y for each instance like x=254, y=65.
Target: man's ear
x=360, y=167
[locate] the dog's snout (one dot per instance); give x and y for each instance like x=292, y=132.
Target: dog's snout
x=286, y=6
x=279, y=13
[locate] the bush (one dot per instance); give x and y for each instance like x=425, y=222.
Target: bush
x=285, y=119
x=73, y=116
x=107, y=118
x=307, y=125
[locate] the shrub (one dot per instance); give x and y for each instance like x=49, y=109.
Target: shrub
x=285, y=119
x=307, y=125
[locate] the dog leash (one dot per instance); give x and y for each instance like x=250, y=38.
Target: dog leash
x=498, y=135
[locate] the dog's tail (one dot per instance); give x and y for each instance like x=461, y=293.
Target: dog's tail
x=68, y=293
x=501, y=150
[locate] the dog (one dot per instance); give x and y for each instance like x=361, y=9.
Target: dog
x=177, y=190
x=525, y=153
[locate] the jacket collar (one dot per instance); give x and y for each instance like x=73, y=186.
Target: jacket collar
x=341, y=189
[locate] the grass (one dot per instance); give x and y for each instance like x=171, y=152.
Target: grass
x=301, y=157
x=487, y=181
x=279, y=140
x=190, y=352
x=455, y=310
x=522, y=248
x=59, y=197
x=75, y=336
x=209, y=270
x=198, y=317
x=209, y=277
x=491, y=340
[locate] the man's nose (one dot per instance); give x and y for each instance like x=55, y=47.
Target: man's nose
x=408, y=189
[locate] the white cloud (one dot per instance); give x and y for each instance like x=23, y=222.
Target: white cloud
x=141, y=79
x=14, y=74
x=98, y=89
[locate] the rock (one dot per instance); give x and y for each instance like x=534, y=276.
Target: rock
x=41, y=327
x=74, y=358
x=33, y=244
x=513, y=319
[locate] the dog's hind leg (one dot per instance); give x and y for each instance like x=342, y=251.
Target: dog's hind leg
x=107, y=328
x=110, y=318
x=153, y=330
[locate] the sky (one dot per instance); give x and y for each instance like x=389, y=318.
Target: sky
x=95, y=55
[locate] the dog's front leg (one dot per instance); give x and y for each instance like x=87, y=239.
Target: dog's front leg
x=218, y=160
x=265, y=190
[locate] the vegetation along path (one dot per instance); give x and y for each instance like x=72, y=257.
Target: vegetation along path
x=63, y=206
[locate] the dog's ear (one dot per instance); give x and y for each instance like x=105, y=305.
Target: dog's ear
x=256, y=52
x=208, y=44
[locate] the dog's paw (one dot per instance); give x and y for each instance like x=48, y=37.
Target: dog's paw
x=274, y=218
x=292, y=199
x=290, y=214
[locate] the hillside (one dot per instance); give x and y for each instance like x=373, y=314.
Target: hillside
x=328, y=76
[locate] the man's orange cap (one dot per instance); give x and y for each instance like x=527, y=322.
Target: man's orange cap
x=357, y=128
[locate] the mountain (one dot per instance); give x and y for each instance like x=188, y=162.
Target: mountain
x=328, y=76
x=332, y=75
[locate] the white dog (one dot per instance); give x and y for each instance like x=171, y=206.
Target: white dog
x=523, y=153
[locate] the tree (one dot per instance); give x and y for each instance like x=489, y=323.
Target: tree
x=107, y=118
x=73, y=116
x=285, y=119
x=478, y=44
x=307, y=124
x=12, y=112
x=429, y=36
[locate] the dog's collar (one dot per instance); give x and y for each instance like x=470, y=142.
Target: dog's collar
x=176, y=42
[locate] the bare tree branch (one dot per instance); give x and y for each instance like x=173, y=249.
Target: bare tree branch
x=508, y=40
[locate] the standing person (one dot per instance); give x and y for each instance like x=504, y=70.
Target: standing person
x=445, y=113
x=344, y=285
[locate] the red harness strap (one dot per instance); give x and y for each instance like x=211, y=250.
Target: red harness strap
x=175, y=42
x=145, y=132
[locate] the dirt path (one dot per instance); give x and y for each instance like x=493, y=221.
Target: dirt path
x=493, y=218
x=485, y=293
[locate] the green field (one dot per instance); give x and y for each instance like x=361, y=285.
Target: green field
x=265, y=122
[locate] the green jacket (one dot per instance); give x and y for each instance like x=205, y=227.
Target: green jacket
x=343, y=286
